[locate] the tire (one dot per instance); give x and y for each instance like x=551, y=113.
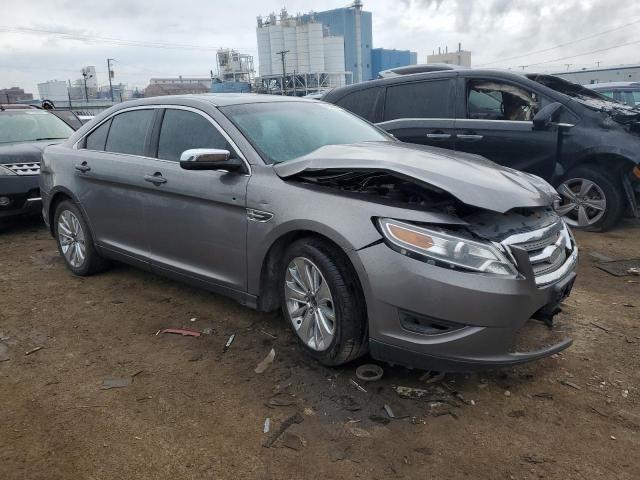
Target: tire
x=66, y=219
x=605, y=187
x=350, y=328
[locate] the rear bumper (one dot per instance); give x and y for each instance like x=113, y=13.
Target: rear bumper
x=429, y=317
x=23, y=193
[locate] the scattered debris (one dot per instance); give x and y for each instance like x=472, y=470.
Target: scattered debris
x=268, y=360
x=545, y=395
x=600, y=256
x=613, y=438
x=294, y=419
x=228, y=344
x=193, y=319
x=207, y=331
x=379, y=419
x=369, y=372
x=608, y=330
x=432, y=377
x=348, y=403
x=281, y=399
x=110, y=383
x=33, y=350
x=187, y=332
x=621, y=268
x=396, y=412
x=293, y=441
x=570, y=384
x=507, y=393
x=309, y=412
x=625, y=394
x=358, y=432
x=267, y=425
x=533, y=458
x=634, y=271
x=357, y=385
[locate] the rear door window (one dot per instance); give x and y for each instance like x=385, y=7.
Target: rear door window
x=432, y=99
x=182, y=130
x=128, y=132
x=361, y=102
x=97, y=139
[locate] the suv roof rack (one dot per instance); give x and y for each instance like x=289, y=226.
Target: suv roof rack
x=422, y=68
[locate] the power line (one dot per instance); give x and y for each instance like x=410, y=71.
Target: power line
x=561, y=44
x=585, y=53
x=113, y=40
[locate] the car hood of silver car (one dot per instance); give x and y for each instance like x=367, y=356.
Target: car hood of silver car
x=472, y=179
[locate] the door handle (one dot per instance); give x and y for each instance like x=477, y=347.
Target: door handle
x=83, y=167
x=439, y=136
x=469, y=137
x=156, y=178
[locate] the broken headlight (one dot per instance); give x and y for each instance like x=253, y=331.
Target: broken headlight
x=6, y=171
x=445, y=248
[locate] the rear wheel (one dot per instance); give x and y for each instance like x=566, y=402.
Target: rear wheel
x=590, y=199
x=75, y=242
x=322, y=301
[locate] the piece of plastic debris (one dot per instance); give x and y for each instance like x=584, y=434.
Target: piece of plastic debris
x=634, y=271
x=369, y=372
x=228, y=344
x=294, y=419
x=110, y=383
x=267, y=425
x=292, y=441
x=187, y=332
x=379, y=419
x=421, y=394
x=613, y=438
x=268, y=360
x=309, y=412
x=396, y=412
x=625, y=393
x=281, y=399
x=507, y=393
x=193, y=319
x=358, y=432
x=207, y=331
x=357, y=385
x=33, y=350
x=570, y=384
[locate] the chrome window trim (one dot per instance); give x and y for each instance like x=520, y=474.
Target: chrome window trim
x=215, y=124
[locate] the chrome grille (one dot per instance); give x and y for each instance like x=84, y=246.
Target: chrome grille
x=31, y=168
x=551, y=251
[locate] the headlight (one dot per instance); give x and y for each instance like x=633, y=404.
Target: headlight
x=6, y=171
x=446, y=249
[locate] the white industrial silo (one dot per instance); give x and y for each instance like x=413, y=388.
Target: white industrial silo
x=276, y=39
x=334, y=59
x=302, y=44
x=290, y=43
x=264, y=50
x=316, y=47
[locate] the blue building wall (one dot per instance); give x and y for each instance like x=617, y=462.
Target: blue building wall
x=342, y=22
x=383, y=59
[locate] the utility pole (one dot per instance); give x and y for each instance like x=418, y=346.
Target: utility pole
x=85, y=74
x=69, y=92
x=282, y=54
x=110, y=74
x=568, y=65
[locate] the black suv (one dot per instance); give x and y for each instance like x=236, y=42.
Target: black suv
x=583, y=143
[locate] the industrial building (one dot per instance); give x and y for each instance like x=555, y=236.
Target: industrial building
x=384, y=59
x=54, y=90
x=235, y=72
x=459, y=57
x=617, y=73
x=14, y=95
x=206, y=81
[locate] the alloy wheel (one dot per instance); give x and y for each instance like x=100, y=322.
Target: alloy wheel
x=310, y=304
x=72, y=239
x=582, y=203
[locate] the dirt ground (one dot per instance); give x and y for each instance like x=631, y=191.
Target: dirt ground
x=194, y=412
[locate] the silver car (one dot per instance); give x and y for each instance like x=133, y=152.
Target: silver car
x=423, y=257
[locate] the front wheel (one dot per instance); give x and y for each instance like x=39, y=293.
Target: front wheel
x=590, y=199
x=75, y=242
x=323, y=303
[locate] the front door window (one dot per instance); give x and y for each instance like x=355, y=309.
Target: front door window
x=490, y=100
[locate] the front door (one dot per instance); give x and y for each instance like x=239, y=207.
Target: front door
x=497, y=124
x=421, y=112
x=197, y=219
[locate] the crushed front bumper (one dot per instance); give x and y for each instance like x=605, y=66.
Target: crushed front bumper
x=425, y=316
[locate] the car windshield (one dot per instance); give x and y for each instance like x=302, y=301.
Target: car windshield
x=282, y=131
x=31, y=125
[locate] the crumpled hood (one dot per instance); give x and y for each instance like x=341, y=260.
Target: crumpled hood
x=472, y=179
x=25, y=152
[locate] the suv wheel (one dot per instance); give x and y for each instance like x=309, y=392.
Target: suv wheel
x=75, y=242
x=590, y=199
x=322, y=302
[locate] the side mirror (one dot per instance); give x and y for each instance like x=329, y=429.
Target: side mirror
x=544, y=118
x=209, y=159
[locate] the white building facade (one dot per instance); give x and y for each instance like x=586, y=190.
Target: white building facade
x=54, y=90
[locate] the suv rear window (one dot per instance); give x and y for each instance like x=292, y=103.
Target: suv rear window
x=361, y=102
x=432, y=99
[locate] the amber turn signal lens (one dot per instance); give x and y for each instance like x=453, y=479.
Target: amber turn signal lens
x=412, y=238
x=636, y=171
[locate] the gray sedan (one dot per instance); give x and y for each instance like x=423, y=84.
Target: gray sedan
x=424, y=257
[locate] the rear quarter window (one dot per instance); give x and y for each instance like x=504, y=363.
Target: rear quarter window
x=361, y=102
x=431, y=99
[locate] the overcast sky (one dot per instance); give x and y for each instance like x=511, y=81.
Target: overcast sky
x=500, y=33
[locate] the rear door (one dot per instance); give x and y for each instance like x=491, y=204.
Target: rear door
x=495, y=121
x=421, y=112
x=110, y=182
x=197, y=219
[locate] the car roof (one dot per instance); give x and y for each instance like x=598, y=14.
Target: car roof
x=215, y=99
x=595, y=86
